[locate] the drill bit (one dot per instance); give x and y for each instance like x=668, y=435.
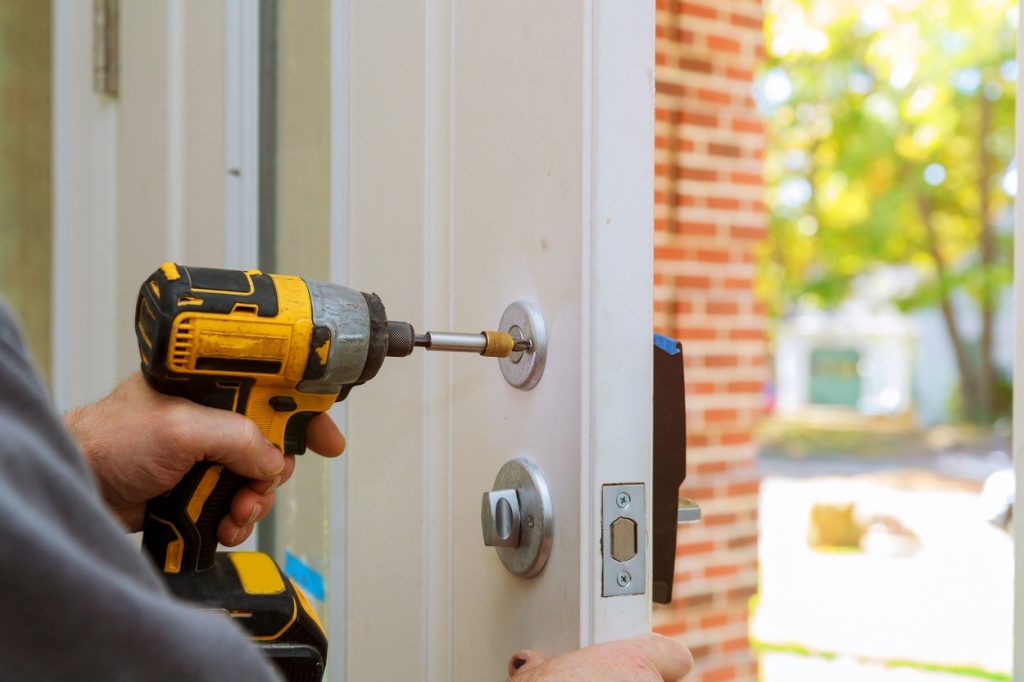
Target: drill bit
x=490, y=344
x=402, y=339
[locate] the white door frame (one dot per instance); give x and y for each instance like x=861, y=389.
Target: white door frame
x=620, y=223
x=241, y=133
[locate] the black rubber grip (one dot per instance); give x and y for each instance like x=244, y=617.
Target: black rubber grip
x=180, y=528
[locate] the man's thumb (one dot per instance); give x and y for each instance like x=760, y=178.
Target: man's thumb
x=523, y=661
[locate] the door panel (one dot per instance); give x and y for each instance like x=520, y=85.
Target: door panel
x=392, y=457
x=477, y=177
x=516, y=233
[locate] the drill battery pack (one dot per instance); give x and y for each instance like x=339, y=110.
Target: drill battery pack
x=250, y=588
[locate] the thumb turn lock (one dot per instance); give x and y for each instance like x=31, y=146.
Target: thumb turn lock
x=517, y=518
x=501, y=519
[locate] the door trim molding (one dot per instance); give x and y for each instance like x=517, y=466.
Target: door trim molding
x=618, y=271
x=241, y=133
x=337, y=582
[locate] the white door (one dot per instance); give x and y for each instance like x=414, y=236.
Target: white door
x=452, y=157
x=496, y=151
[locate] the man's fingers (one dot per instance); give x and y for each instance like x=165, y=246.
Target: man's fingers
x=230, y=439
x=230, y=534
x=324, y=437
x=523, y=661
x=248, y=507
x=270, y=485
x=671, y=658
x=236, y=442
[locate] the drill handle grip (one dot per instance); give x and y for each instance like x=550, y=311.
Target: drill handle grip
x=180, y=528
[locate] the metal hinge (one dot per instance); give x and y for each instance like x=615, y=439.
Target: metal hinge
x=106, y=65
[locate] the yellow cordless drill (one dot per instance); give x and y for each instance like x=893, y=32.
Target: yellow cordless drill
x=279, y=349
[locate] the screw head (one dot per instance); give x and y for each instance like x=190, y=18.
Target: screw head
x=623, y=500
x=516, y=332
x=529, y=521
x=623, y=579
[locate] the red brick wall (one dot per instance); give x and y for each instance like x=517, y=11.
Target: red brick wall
x=709, y=218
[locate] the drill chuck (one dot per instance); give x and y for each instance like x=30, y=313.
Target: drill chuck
x=401, y=339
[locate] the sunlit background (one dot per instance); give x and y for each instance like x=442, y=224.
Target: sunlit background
x=887, y=490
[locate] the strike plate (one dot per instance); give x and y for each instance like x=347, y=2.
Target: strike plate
x=623, y=539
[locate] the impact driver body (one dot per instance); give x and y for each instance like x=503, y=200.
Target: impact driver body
x=279, y=349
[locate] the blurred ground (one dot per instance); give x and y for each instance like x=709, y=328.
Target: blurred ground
x=930, y=605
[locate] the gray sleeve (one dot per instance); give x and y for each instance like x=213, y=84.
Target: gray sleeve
x=78, y=600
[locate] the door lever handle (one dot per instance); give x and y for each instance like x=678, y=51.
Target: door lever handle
x=688, y=511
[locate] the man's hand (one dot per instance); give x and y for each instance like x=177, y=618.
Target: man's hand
x=140, y=443
x=647, y=658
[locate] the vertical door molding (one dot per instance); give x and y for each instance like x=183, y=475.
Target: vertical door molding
x=203, y=127
x=337, y=595
x=440, y=645
x=241, y=133
x=618, y=273
x=177, y=97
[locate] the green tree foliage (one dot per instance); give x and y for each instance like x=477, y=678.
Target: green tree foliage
x=891, y=142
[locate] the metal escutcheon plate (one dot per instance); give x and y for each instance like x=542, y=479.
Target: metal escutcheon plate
x=537, y=519
x=523, y=320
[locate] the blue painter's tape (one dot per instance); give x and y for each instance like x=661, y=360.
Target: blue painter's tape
x=670, y=346
x=311, y=582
